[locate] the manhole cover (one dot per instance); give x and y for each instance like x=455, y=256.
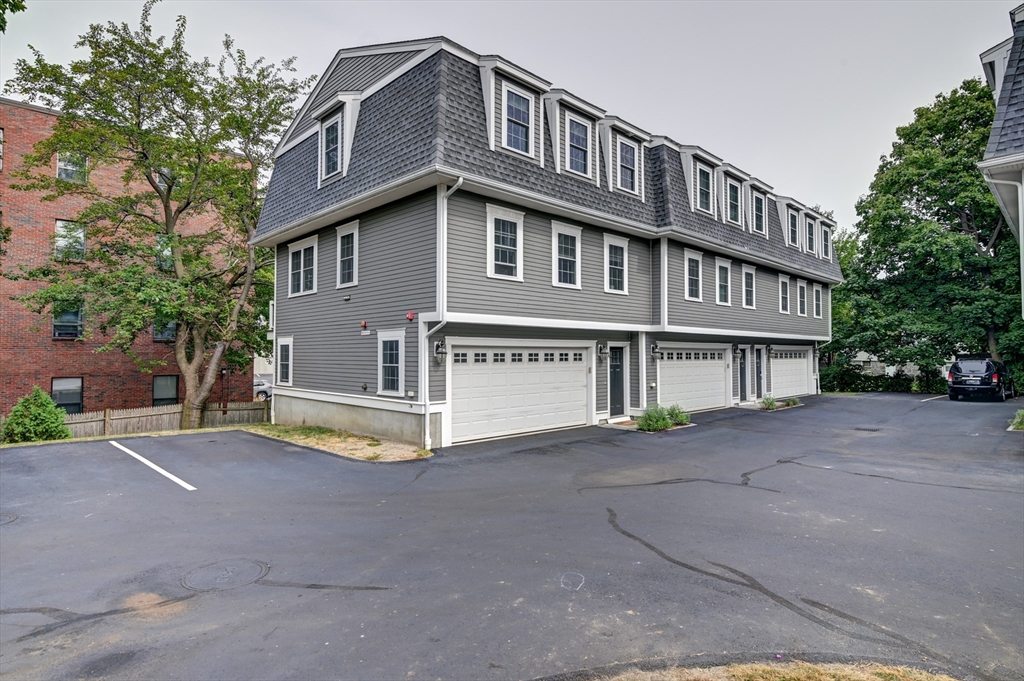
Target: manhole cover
x=225, y=574
x=7, y=518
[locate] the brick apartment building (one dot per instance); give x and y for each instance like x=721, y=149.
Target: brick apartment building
x=49, y=351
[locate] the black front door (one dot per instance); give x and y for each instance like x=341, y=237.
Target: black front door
x=743, y=375
x=615, y=391
x=757, y=368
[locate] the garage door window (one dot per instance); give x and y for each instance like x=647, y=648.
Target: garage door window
x=460, y=358
x=391, y=362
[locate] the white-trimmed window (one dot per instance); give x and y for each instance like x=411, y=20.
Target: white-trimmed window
x=783, y=294
x=629, y=166
x=72, y=167
x=330, y=146
x=826, y=242
x=809, y=232
x=504, y=243
x=749, y=287
x=705, y=188
x=68, y=240
x=616, y=264
x=348, y=255
x=578, y=135
x=302, y=267
x=517, y=108
x=759, y=221
x=694, y=284
x=565, y=255
x=801, y=298
x=733, y=207
x=391, y=362
x=723, y=281
x=793, y=234
x=285, y=360
x=817, y=301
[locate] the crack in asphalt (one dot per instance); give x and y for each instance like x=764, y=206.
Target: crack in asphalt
x=889, y=477
x=676, y=481
x=744, y=580
x=332, y=587
x=418, y=476
x=67, y=617
x=745, y=477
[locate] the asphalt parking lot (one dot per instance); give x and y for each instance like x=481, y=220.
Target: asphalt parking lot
x=876, y=526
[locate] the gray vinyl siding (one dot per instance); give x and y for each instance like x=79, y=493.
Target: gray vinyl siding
x=768, y=372
x=563, y=136
x=652, y=372
x=766, y=318
x=396, y=273
x=735, y=377
x=655, y=262
x=536, y=130
x=636, y=381
x=471, y=290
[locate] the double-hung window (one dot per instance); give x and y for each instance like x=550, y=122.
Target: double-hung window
x=759, y=218
x=801, y=298
x=704, y=188
x=749, y=287
x=285, y=360
x=165, y=390
x=68, y=323
x=348, y=255
x=794, y=229
x=165, y=331
x=391, y=362
x=330, y=147
x=577, y=145
x=68, y=240
x=517, y=112
x=826, y=242
x=723, y=281
x=72, y=167
x=783, y=294
x=67, y=394
x=565, y=255
x=693, y=275
x=302, y=267
x=629, y=164
x=504, y=243
x=616, y=264
x=809, y=241
x=733, y=195
x=817, y=301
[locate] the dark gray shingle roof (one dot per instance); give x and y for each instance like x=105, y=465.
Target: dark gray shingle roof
x=1007, y=136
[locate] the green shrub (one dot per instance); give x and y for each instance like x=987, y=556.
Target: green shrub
x=769, y=403
x=792, y=402
x=677, y=416
x=35, y=418
x=842, y=377
x=1018, y=421
x=654, y=418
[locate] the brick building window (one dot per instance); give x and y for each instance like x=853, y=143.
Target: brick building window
x=67, y=393
x=165, y=390
x=68, y=240
x=165, y=331
x=72, y=168
x=67, y=324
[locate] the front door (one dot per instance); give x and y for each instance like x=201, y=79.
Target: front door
x=616, y=406
x=757, y=368
x=743, y=375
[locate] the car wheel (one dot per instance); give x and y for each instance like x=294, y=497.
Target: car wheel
x=262, y=396
x=953, y=396
x=1002, y=394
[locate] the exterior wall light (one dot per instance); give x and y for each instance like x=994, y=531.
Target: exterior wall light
x=602, y=351
x=440, y=351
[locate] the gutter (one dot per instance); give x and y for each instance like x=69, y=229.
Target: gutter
x=1020, y=239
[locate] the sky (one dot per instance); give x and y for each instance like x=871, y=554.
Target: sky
x=806, y=96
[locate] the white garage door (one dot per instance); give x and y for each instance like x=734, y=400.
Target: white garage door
x=693, y=378
x=789, y=373
x=504, y=391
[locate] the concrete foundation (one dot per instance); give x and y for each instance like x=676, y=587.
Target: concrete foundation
x=391, y=425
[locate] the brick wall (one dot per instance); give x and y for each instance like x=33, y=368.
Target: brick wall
x=28, y=353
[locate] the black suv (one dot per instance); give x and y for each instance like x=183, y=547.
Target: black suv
x=979, y=377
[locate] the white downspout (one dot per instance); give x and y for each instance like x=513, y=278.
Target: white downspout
x=1020, y=229
x=427, y=444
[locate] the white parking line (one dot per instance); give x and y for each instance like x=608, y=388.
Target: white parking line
x=937, y=397
x=152, y=465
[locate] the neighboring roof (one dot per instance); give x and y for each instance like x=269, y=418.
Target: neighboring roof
x=27, y=105
x=1007, y=136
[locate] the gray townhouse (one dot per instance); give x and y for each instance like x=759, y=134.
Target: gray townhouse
x=466, y=252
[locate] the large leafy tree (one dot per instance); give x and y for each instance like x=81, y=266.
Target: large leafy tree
x=191, y=144
x=933, y=269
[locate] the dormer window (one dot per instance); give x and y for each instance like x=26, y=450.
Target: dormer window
x=577, y=145
x=517, y=112
x=826, y=242
x=809, y=242
x=733, y=195
x=704, y=191
x=628, y=160
x=794, y=229
x=330, y=147
x=759, y=221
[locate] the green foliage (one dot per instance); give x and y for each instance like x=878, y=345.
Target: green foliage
x=930, y=382
x=35, y=418
x=1017, y=423
x=768, y=403
x=192, y=146
x=677, y=415
x=11, y=6
x=932, y=269
x=792, y=402
x=655, y=418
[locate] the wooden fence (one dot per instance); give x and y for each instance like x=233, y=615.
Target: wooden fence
x=153, y=419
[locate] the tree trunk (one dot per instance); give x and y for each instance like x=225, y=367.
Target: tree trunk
x=191, y=414
x=990, y=334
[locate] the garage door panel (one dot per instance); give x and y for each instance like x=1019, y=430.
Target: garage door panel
x=789, y=373
x=693, y=378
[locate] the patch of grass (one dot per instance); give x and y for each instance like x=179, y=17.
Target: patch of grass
x=289, y=432
x=677, y=415
x=423, y=453
x=373, y=457
x=373, y=442
x=655, y=418
x=1018, y=420
x=797, y=671
x=769, y=403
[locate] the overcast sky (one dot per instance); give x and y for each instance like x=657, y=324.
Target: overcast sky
x=804, y=95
